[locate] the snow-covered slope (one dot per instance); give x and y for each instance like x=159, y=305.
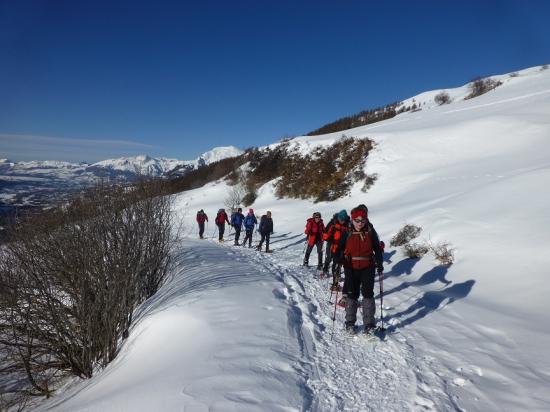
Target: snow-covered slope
x=234, y=324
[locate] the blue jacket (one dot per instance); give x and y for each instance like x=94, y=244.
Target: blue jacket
x=250, y=221
x=237, y=219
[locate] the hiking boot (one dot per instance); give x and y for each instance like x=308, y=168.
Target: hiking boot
x=369, y=329
x=335, y=288
x=237, y=244
x=350, y=327
x=319, y=267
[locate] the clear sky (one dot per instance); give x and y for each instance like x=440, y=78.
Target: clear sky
x=91, y=80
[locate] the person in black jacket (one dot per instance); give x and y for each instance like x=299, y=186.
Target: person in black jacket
x=265, y=229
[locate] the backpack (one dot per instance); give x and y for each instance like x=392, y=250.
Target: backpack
x=219, y=217
x=249, y=221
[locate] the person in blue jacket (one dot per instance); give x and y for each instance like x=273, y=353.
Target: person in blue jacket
x=237, y=222
x=250, y=223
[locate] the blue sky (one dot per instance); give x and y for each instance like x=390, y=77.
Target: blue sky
x=86, y=81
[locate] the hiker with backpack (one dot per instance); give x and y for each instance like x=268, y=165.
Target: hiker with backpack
x=336, y=238
x=328, y=239
x=221, y=218
x=201, y=218
x=265, y=229
x=237, y=222
x=250, y=223
x=314, y=231
x=362, y=258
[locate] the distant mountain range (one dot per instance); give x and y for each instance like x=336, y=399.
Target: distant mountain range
x=39, y=183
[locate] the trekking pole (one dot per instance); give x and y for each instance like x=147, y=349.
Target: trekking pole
x=380, y=281
x=334, y=314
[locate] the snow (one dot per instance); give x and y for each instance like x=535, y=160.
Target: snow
x=239, y=330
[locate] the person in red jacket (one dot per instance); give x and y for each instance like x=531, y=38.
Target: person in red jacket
x=314, y=231
x=362, y=257
x=201, y=218
x=221, y=218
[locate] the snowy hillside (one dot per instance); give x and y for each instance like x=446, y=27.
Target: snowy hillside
x=239, y=330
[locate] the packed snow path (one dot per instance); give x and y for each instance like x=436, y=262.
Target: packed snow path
x=240, y=330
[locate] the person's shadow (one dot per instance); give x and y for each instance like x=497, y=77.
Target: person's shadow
x=403, y=267
x=437, y=274
x=430, y=302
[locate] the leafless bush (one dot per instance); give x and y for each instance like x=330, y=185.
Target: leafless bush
x=514, y=74
x=415, y=250
x=443, y=253
x=235, y=196
x=71, y=278
x=369, y=182
x=405, y=235
x=481, y=86
x=442, y=98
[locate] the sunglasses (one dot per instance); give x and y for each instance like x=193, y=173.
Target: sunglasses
x=359, y=220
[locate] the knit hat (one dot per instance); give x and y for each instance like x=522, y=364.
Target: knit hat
x=358, y=213
x=251, y=211
x=342, y=215
x=317, y=214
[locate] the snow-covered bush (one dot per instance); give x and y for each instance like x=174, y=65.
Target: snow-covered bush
x=405, y=235
x=481, y=86
x=442, y=98
x=443, y=253
x=415, y=250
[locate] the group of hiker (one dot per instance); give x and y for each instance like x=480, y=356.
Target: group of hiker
x=352, y=244
x=237, y=222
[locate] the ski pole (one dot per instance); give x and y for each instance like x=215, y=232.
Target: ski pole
x=334, y=314
x=380, y=281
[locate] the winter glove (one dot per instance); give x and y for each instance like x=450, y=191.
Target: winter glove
x=380, y=268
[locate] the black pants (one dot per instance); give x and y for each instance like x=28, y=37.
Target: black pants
x=248, y=236
x=328, y=257
x=265, y=236
x=221, y=229
x=359, y=281
x=319, y=245
x=237, y=233
x=201, y=229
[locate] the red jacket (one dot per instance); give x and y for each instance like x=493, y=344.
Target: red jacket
x=314, y=231
x=201, y=217
x=359, y=251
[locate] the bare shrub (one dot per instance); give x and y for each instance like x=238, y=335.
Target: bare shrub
x=481, y=86
x=442, y=98
x=415, y=250
x=369, y=182
x=405, y=235
x=70, y=279
x=443, y=253
x=514, y=74
x=234, y=197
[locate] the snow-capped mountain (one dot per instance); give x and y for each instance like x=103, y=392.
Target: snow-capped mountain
x=41, y=182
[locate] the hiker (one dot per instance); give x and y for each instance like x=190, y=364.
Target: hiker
x=314, y=232
x=336, y=238
x=328, y=239
x=201, y=218
x=265, y=229
x=250, y=222
x=221, y=218
x=237, y=223
x=362, y=256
